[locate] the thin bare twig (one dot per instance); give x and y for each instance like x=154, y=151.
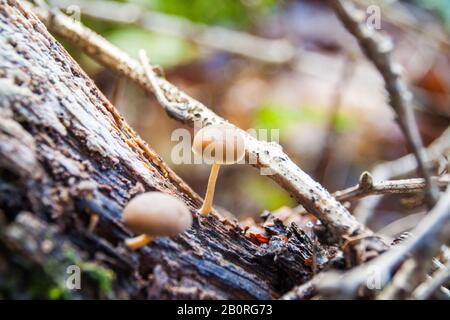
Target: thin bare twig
x=410, y=275
x=366, y=188
x=159, y=94
x=378, y=49
x=401, y=285
x=426, y=239
x=399, y=167
x=433, y=284
x=235, y=42
x=267, y=156
x=305, y=291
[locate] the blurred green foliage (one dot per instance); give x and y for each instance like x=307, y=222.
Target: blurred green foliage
x=266, y=193
x=169, y=51
x=441, y=7
x=102, y=276
x=162, y=50
x=275, y=116
x=236, y=13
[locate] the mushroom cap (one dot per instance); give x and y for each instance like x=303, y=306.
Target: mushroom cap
x=222, y=144
x=157, y=214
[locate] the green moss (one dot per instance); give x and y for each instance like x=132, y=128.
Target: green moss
x=54, y=285
x=275, y=116
x=102, y=276
x=37, y=284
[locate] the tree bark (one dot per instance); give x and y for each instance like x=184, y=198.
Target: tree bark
x=65, y=154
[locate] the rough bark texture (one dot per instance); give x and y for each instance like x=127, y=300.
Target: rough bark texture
x=65, y=153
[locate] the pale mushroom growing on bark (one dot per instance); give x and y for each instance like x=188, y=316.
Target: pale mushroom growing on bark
x=217, y=145
x=155, y=214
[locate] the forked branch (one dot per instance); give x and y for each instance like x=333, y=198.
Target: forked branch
x=367, y=187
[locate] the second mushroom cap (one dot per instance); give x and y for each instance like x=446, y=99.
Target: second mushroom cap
x=157, y=214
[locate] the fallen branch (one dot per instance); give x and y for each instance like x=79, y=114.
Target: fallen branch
x=263, y=155
x=378, y=49
x=399, y=167
x=404, y=281
x=408, y=282
x=426, y=239
x=433, y=284
x=367, y=187
x=266, y=50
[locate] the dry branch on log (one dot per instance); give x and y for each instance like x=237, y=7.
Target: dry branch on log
x=263, y=155
x=66, y=153
x=378, y=49
x=367, y=187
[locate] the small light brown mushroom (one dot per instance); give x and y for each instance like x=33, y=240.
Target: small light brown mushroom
x=218, y=145
x=155, y=214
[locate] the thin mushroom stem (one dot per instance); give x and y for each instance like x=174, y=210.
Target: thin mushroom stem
x=207, y=203
x=138, y=242
x=93, y=221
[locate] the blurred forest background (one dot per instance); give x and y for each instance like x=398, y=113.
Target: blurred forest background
x=323, y=95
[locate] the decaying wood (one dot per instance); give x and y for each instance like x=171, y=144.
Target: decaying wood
x=344, y=228
x=66, y=153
